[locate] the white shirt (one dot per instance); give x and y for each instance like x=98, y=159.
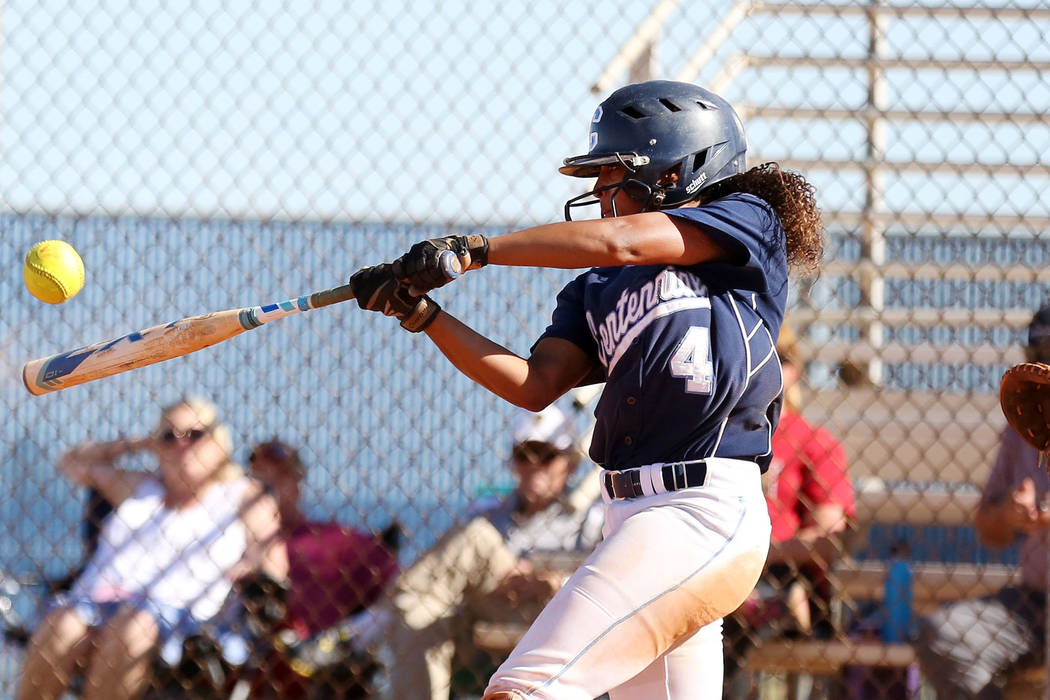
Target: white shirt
x=178, y=557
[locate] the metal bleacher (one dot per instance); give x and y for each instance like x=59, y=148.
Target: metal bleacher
x=898, y=114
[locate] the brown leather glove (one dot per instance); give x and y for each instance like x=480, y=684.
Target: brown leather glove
x=1024, y=394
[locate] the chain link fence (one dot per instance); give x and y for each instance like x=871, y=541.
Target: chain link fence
x=205, y=156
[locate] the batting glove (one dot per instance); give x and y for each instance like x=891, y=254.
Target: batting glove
x=421, y=266
x=376, y=289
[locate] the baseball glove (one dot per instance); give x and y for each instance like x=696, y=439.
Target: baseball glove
x=1024, y=394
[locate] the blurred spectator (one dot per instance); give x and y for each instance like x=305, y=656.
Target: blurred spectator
x=334, y=570
x=810, y=500
x=965, y=648
x=166, y=557
x=482, y=570
x=853, y=375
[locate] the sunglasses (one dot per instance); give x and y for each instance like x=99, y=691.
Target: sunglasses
x=172, y=435
x=535, y=452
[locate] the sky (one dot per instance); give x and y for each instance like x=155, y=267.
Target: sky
x=286, y=109
x=420, y=111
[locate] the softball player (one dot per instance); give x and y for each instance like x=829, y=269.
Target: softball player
x=679, y=316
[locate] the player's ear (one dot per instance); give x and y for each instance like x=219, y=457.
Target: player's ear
x=670, y=176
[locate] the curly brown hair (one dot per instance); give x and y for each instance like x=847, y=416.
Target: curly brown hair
x=793, y=199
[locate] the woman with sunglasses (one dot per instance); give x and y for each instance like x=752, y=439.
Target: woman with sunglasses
x=678, y=314
x=166, y=558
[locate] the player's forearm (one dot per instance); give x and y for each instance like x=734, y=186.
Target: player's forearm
x=265, y=550
x=994, y=525
x=818, y=542
x=642, y=239
x=488, y=363
x=275, y=561
x=105, y=453
x=92, y=465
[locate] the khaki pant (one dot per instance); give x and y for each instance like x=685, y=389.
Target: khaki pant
x=436, y=601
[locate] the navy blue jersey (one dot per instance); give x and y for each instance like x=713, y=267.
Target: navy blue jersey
x=688, y=352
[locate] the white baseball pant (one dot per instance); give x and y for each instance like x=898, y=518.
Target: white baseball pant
x=642, y=618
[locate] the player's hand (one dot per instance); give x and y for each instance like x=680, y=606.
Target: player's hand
x=524, y=583
x=376, y=289
x=75, y=465
x=105, y=452
x=421, y=268
x=80, y=462
x=1024, y=513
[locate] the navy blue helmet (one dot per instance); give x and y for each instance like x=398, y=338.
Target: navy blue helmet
x=659, y=126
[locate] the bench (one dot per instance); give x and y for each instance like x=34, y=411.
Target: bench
x=853, y=582
x=827, y=657
x=817, y=658
x=909, y=435
x=933, y=584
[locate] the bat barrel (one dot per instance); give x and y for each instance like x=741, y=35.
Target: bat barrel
x=136, y=349
x=29, y=374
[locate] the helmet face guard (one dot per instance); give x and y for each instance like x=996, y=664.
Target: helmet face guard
x=594, y=196
x=661, y=127
x=636, y=189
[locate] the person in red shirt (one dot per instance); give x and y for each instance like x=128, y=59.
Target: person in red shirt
x=808, y=488
x=334, y=570
x=810, y=500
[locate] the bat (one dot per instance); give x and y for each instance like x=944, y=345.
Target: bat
x=151, y=345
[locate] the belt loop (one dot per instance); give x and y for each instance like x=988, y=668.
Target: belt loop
x=650, y=481
x=679, y=476
x=635, y=480
x=667, y=477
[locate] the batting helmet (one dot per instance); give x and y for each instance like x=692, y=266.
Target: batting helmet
x=655, y=127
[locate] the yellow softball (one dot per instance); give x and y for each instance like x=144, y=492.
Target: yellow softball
x=53, y=271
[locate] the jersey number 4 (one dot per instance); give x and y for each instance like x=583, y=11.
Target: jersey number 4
x=692, y=361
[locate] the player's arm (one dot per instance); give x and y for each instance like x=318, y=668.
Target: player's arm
x=816, y=541
x=554, y=367
x=651, y=238
x=264, y=549
x=998, y=522
x=92, y=465
x=1009, y=502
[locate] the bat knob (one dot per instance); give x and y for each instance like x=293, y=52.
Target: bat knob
x=450, y=265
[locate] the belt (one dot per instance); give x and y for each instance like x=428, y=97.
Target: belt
x=622, y=484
